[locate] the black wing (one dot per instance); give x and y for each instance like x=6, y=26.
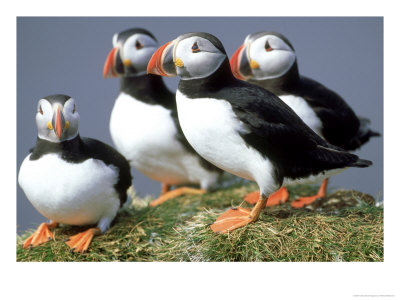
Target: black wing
x=341, y=126
x=278, y=133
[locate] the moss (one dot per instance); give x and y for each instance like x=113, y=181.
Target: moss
x=178, y=231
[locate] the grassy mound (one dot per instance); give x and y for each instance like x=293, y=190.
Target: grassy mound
x=346, y=226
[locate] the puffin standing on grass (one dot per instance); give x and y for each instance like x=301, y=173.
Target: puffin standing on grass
x=69, y=179
x=268, y=59
x=144, y=123
x=242, y=128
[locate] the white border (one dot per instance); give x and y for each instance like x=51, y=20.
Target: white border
x=198, y=280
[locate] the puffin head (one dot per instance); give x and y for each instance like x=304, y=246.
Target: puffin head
x=131, y=53
x=190, y=56
x=264, y=55
x=57, y=119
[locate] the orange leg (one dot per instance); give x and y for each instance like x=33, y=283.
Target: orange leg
x=40, y=236
x=81, y=241
x=279, y=197
x=238, y=217
x=303, y=201
x=165, y=187
x=176, y=193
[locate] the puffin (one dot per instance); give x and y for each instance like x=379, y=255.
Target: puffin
x=268, y=59
x=144, y=122
x=71, y=179
x=242, y=128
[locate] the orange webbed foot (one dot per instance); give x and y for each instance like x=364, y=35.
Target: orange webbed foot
x=252, y=198
x=277, y=198
x=81, y=241
x=40, y=236
x=231, y=220
x=238, y=217
x=303, y=201
x=176, y=193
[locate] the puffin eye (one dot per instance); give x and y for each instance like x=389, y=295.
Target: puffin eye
x=138, y=45
x=73, y=111
x=268, y=47
x=195, y=48
x=40, y=110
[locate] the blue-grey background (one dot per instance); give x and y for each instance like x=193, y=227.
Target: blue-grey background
x=66, y=55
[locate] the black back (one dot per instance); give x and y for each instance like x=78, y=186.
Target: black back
x=340, y=125
x=275, y=129
x=80, y=149
x=124, y=35
x=253, y=36
x=57, y=98
x=208, y=36
x=151, y=89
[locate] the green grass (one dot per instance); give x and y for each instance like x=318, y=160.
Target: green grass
x=345, y=227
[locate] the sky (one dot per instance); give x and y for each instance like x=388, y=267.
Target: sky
x=67, y=54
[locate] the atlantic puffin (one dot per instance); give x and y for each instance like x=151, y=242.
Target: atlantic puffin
x=144, y=123
x=268, y=59
x=69, y=179
x=242, y=128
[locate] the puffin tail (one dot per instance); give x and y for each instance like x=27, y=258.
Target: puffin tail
x=336, y=157
x=363, y=135
x=361, y=163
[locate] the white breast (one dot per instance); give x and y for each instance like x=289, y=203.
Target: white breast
x=304, y=111
x=146, y=135
x=212, y=129
x=75, y=194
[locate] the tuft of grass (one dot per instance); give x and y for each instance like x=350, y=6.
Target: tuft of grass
x=346, y=226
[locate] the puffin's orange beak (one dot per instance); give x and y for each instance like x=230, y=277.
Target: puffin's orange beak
x=240, y=65
x=58, y=128
x=235, y=63
x=161, y=63
x=109, y=65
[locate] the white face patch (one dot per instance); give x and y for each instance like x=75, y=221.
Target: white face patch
x=138, y=48
x=199, y=56
x=44, y=117
x=272, y=63
x=72, y=116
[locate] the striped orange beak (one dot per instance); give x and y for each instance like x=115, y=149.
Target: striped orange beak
x=161, y=63
x=240, y=65
x=58, y=123
x=109, y=65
